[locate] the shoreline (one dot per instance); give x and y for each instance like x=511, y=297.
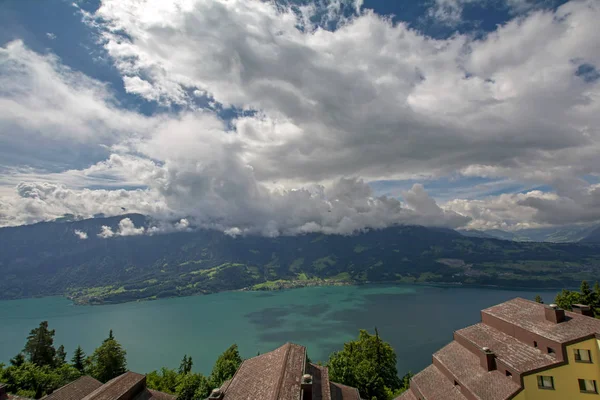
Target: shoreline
x=291, y=285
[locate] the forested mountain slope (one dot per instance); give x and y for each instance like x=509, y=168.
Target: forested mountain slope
x=50, y=259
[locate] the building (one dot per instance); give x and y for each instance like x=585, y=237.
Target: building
x=283, y=374
x=129, y=386
x=520, y=350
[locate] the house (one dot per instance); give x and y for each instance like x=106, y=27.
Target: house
x=283, y=374
x=520, y=350
x=129, y=386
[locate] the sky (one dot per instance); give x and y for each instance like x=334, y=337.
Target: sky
x=294, y=116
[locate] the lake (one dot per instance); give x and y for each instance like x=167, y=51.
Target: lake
x=416, y=320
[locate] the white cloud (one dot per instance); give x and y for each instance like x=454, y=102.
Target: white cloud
x=50, y=35
x=106, y=232
x=81, y=234
x=371, y=100
x=126, y=228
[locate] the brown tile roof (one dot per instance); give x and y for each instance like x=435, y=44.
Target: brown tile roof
x=516, y=354
x=148, y=394
x=433, y=385
x=122, y=387
x=270, y=376
x=277, y=375
x=466, y=369
x=408, y=395
x=343, y=392
x=529, y=315
x=75, y=390
x=321, y=385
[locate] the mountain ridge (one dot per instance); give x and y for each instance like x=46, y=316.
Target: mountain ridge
x=48, y=258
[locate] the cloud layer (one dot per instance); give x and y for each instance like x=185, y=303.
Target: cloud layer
x=320, y=114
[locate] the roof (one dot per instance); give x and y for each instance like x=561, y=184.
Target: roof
x=433, y=385
x=530, y=316
x=466, y=369
x=277, y=375
x=320, y=375
x=407, y=395
x=343, y=392
x=121, y=387
x=274, y=375
x=148, y=394
x=514, y=353
x=75, y=390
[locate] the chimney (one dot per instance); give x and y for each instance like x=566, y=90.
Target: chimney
x=488, y=359
x=216, y=394
x=3, y=394
x=306, y=386
x=582, y=309
x=554, y=314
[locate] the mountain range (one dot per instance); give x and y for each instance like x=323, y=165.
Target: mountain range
x=68, y=257
x=563, y=234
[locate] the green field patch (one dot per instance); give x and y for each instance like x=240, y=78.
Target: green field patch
x=342, y=276
x=323, y=263
x=360, y=248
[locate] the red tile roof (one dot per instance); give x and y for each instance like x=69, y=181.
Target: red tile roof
x=433, y=385
x=265, y=376
x=408, y=395
x=321, y=388
x=123, y=387
x=530, y=316
x=466, y=369
x=343, y=392
x=516, y=354
x=75, y=390
x=277, y=375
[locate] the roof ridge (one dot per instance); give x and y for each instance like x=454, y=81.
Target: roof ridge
x=71, y=384
x=282, y=371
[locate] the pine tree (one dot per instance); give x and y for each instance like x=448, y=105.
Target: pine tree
x=586, y=293
x=78, y=360
x=538, y=299
x=40, y=345
x=108, y=360
x=186, y=365
x=60, y=358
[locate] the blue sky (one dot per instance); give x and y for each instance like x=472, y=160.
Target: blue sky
x=279, y=124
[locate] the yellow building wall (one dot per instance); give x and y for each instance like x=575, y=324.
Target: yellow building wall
x=566, y=384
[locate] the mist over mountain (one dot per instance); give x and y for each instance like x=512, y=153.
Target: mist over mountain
x=133, y=257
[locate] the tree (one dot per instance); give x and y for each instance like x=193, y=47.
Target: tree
x=164, y=381
x=538, y=299
x=108, y=360
x=186, y=365
x=18, y=360
x=78, y=360
x=225, y=366
x=586, y=293
x=193, y=387
x=40, y=345
x=60, y=357
x=369, y=364
x=566, y=298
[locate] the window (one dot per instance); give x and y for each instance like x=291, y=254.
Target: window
x=583, y=355
x=550, y=350
x=545, y=382
x=588, y=386
x=535, y=344
x=508, y=373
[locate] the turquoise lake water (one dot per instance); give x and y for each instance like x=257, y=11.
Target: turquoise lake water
x=416, y=320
